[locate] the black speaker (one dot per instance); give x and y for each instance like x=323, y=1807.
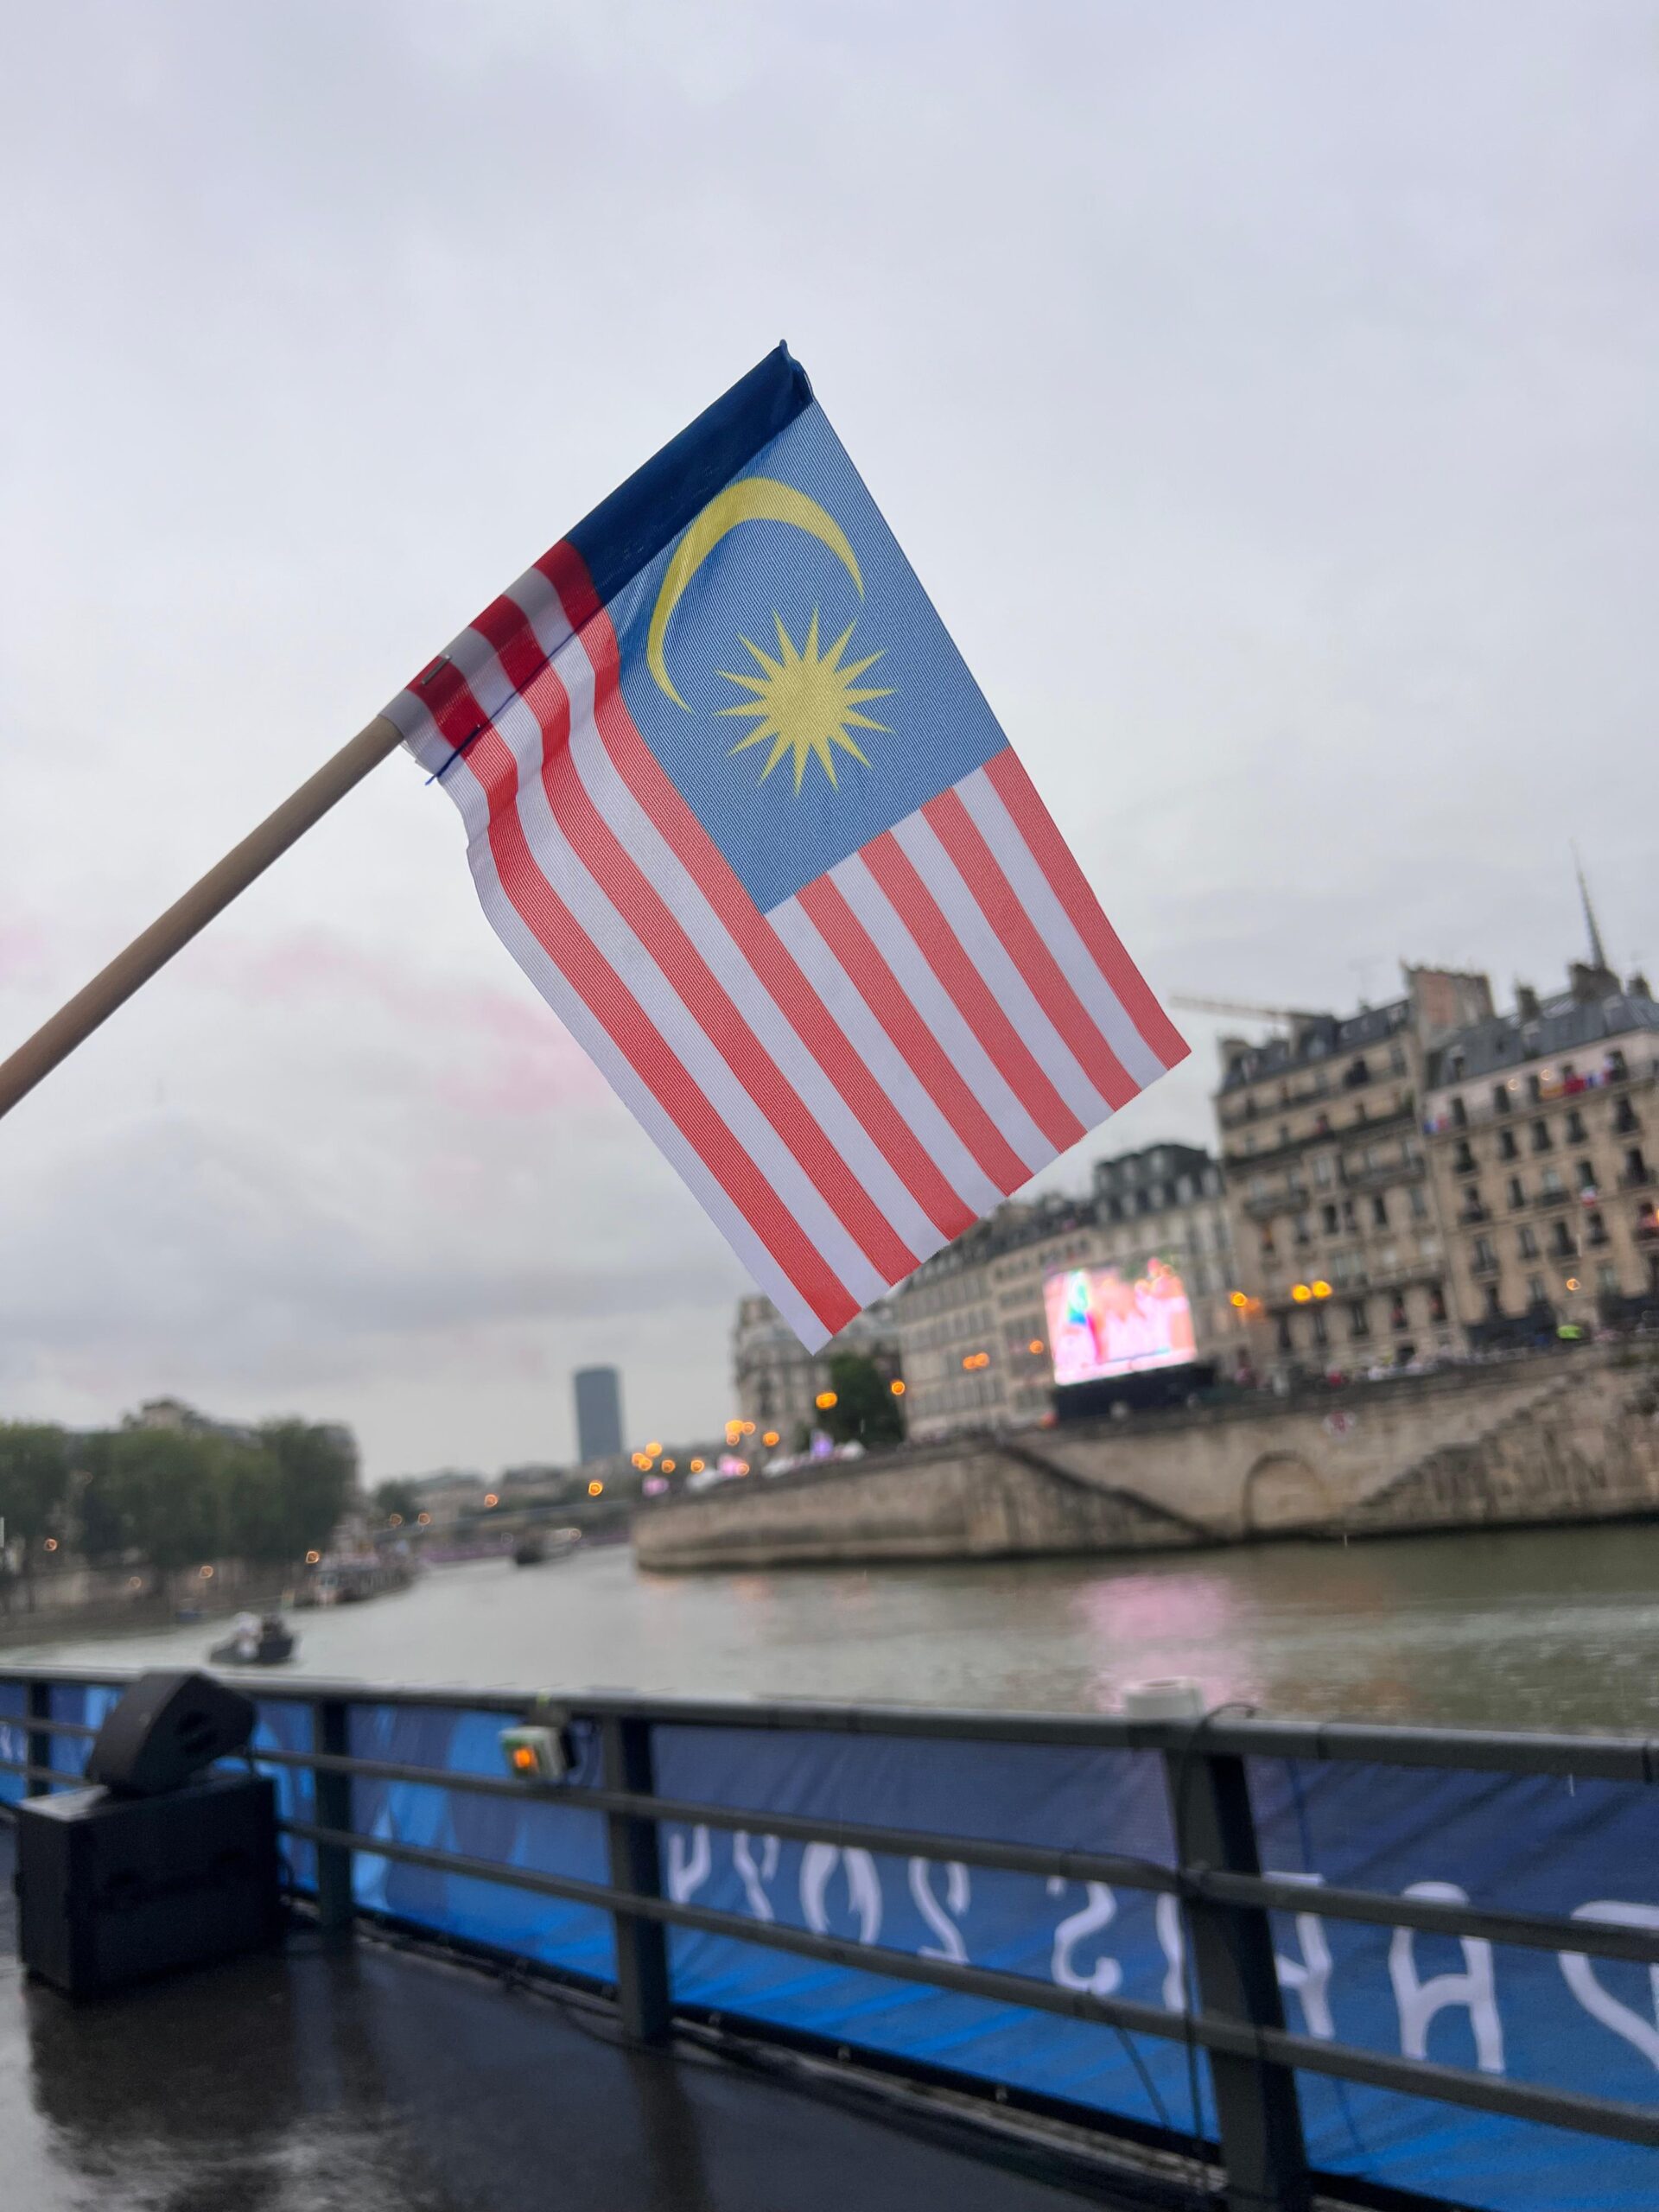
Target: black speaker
x=113, y=1890
x=165, y=1729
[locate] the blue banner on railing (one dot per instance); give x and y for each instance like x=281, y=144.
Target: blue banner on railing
x=1554, y=1845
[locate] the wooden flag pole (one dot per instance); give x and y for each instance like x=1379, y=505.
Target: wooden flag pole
x=73, y=1024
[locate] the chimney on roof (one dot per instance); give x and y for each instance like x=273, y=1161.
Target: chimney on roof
x=1636, y=987
x=1525, y=1002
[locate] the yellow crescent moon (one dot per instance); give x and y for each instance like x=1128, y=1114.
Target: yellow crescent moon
x=753, y=499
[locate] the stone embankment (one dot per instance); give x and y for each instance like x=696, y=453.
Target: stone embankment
x=1564, y=1437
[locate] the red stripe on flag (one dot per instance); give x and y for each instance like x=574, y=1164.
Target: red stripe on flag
x=1070, y=887
x=492, y=762
x=970, y=994
x=622, y=881
x=996, y=898
x=825, y=907
x=760, y=944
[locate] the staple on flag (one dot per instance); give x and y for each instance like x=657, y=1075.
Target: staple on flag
x=735, y=804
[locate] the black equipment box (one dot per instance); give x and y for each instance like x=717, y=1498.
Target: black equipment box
x=111, y=1890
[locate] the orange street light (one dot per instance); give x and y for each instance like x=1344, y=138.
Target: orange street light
x=697, y=1467
x=824, y=1399
x=205, y=1573
x=1571, y=1284
x=51, y=1543
x=1300, y=1293
x=770, y=1437
x=313, y=1558
x=669, y=1466
x=1321, y=1289
x=423, y=1520
x=394, y=1521
x=1238, y=1298
x=595, y=1489
x=746, y=1429
x=651, y=1450
x=490, y=1499
x=1035, y=1345
x=896, y=1389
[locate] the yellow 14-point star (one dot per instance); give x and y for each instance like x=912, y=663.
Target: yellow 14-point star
x=806, y=701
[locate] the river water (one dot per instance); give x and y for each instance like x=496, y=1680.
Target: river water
x=1539, y=1629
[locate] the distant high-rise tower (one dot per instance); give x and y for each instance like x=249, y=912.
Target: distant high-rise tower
x=598, y=1413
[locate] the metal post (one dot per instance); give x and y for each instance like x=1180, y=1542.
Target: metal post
x=1257, y=2114
x=642, y=1992
x=330, y=1734
x=38, y=1704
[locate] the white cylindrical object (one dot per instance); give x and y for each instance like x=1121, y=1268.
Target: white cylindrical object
x=1177, y=1697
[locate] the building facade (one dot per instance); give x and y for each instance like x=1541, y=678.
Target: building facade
x=970, y=1323
x=1543, y=1139
x=973, y=1329
x=598, y=1413
x=1339, y=1243
x=775, y=1380
x=1168, y=1202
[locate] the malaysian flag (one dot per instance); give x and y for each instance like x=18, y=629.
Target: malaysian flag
x=736, y=805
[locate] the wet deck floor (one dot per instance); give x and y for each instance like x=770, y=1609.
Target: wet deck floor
x=365, y=2079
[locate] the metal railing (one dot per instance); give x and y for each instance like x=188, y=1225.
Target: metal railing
x=1237, y=2018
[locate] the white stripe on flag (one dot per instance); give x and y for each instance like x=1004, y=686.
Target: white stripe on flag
x=651, y=990
x=595, y=1040
x=639, y=836
x=916, y=838
x=885, y=1063
x=934, y=1006
x=1053, y=924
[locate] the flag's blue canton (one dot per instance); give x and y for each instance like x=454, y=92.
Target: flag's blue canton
x=763, y=574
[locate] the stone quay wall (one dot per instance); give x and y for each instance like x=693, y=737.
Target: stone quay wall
x=1560, y=1437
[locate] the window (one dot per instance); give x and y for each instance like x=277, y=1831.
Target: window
x=1636, y=1168
x=1359, y=1321
x=1418, y=1203
x=1494, y=1303
x=1397, y=1314
x=1463, y=1164
x=1500, y=1098
x=1575, y=1127
x=1561, y=1242
x=1527, y=1244
x=1536, y=1294
x=1321, y=1334
x=1486, y=1259
x=1304, y=1227
x=1506, y=1146
x=1459, y=1115
x=1595, y=1231
x=1517, y=1191
x=1286, y=1342
x=1550, y=1186
x=1328, y=1216
x=1540, y=1136
x=1607, y=1279
x=1472, y=1209
x=1379, y=1212
x=1586, y=1175
x=1348, y=1221
x=1436, y=1302
x=1323, y=1171
x=1624, y=1121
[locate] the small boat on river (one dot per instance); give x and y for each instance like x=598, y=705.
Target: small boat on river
x=534, y=1547
x=266, y=1642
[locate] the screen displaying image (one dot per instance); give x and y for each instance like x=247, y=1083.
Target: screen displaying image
x=1107, y=1321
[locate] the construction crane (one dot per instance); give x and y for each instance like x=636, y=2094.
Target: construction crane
x=1252, y=1012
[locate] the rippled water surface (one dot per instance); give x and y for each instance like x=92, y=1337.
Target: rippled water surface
x=1536, y=1629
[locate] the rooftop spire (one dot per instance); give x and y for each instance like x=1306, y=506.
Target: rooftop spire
x=1597, y=958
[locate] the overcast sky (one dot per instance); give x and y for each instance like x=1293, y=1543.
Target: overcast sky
x=1264, y=393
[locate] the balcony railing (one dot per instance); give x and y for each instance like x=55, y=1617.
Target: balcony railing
x=358, y=1768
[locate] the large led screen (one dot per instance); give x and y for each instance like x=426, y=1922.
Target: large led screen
x=1108, y=1321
